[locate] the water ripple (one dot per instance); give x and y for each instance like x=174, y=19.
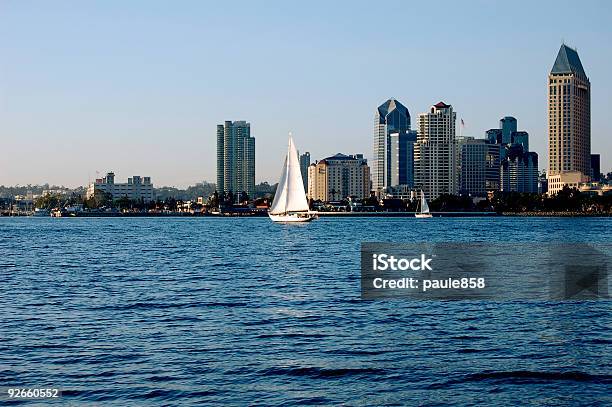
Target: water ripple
x=195, y=311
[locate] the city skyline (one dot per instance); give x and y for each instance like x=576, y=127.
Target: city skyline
x=115, y=87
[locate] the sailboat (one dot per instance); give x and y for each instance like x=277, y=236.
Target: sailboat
x=423, y=208
x=290, y=204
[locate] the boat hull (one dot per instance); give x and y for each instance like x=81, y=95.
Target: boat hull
x=292, y=217
x=423, y=215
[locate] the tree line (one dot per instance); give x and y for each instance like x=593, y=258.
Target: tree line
x=566, y=200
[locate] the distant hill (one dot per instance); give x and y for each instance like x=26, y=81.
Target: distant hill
x=264, y=189
x=11, y=191
x=192, y=192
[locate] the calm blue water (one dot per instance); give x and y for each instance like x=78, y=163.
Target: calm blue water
x=201, y=311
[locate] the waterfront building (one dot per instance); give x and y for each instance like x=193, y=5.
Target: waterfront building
x=339, y=177
x=595, y=167
x=479, y=166
x=569, y=121
x=136, y=188
x=402, y=192
x=595, y=188
x=235, y=158
x=393, y=146
x=435, y=164
x=304, y=164
x=492, y=167
x=518, y=167
x=519, y=170
x=571, y=179
x=542, y=183
x=401, y=159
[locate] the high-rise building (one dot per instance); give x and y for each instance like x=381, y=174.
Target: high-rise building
x=304, y=164
x=478, y=166
x=507, y=126
x=435, y=152
x=235, y=158
x=518, y=167
x=569, y=121
x=401, y=159
x=392, y=145
x=595, y=167
x=339, y=177
x=522, y=138
x=542, y=183
x=494, y=136
x=492, y=167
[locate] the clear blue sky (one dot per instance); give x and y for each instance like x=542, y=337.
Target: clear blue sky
x=138, y=86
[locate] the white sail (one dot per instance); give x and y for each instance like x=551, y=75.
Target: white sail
x=280, y=197
x=290, y=195
x=424, y=206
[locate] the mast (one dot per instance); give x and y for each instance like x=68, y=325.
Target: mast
x=290, y=195
x=287, y=173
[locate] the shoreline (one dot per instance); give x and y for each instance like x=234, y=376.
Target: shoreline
x=325, y=215
x=557, y=214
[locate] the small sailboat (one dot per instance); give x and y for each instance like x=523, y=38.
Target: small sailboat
x=41, y=212
x=290, y=204
x=423, y=208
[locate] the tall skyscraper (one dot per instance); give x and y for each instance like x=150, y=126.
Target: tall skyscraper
x=494, y=136
x=595, y=167
x=518, y=167
x=518, y=170
x=304, y=164
x=569, y=121
x=478, y=166
x=435, y=164
x=507, y=126
x=391, y=118
x=401, y=158
x=235, y=158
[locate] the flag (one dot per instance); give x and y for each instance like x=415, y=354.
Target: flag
x=462, y=123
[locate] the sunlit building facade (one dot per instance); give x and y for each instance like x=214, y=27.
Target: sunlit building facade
x=235, y=158
x=339, y=177
x=136, y=188
x=435, y=163
x=569, y=121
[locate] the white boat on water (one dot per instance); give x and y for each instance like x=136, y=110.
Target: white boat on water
x=41, y=212
x=290, y=204
x=423, y=208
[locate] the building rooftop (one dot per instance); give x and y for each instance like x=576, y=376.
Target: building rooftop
x=389, y=106
x=441, y=105
x=343, y=157
x=340, y=156
x=568, y=62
